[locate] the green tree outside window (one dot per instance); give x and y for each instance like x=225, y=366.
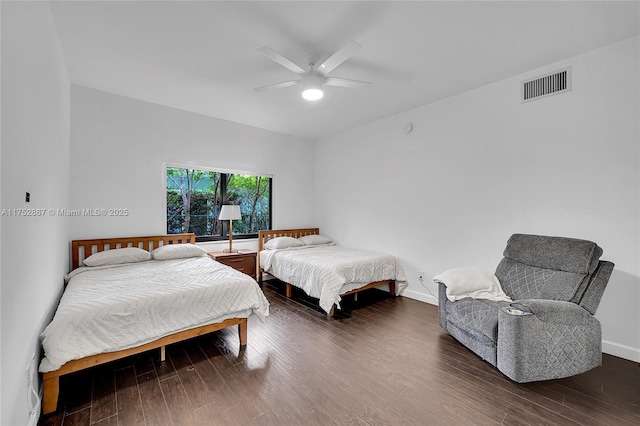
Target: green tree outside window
x=194, y=199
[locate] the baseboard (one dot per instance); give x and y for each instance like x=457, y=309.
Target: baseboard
x=427, y=298
x=621, y=351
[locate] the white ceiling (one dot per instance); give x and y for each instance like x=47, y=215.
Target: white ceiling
x=201, y=56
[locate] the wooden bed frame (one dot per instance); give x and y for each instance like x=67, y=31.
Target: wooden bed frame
x=264, y=236
x=82, y=249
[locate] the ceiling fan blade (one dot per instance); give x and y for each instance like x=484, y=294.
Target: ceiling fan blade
x=339, y=57
x=278, y=58
x=277, y=85
x=345, y=82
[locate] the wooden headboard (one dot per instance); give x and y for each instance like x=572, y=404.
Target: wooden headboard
x=264, y=236
x=81, y=249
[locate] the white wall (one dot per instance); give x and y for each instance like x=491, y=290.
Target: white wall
x=480, y=166
x=35, y=158
x=119, y=145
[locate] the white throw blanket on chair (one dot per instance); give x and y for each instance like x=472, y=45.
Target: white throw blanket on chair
x=471, y=282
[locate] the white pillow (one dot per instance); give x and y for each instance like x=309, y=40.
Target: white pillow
x=117, y=256
x=311, y=240
x=282, y=243
x=178, y=251
x=471, y=282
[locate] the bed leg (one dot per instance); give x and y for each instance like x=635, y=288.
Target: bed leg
x=242, y=332
x=331, y=311
x=163, y=353
x=287, y=290
x=50, y=393
x=392, y=288
x=355, y=297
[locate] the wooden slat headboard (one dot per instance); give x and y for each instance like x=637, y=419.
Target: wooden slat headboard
x=81, y=249
x=264, y=236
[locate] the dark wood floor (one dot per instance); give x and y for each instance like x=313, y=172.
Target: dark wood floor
x=385, y=361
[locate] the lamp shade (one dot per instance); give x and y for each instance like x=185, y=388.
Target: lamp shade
x=229, y=212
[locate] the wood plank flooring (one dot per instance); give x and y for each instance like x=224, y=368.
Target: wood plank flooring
x=383, y=361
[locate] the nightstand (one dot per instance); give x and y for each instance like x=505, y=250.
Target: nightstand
x=244, y=261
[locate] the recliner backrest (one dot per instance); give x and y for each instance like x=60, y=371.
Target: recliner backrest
x=544, y=267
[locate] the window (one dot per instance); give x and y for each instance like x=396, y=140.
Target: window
x=195, y=196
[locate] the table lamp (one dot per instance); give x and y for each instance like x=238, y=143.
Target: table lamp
x=230, y=213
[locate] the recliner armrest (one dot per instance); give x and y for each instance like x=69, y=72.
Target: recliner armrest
x=550, y=340
x=556, y=311
x=442, y=303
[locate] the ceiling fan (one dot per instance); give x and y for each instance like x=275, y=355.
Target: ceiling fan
x=315, y=78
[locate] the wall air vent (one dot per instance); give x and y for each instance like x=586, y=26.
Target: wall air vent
x=546, y=85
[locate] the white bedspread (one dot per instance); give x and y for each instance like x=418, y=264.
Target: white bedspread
x=322, y=270
x=106, y=309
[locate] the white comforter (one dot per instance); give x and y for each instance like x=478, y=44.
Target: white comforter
x=322, y=270
x=106, y=309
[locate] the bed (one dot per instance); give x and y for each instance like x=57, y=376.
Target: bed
x=120, y=308
x=324, y=270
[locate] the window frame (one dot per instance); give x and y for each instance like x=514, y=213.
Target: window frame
x=225, y=226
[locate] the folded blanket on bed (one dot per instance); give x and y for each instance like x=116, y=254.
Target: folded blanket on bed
x=471, y=282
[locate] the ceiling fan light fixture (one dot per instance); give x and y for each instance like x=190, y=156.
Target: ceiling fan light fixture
x=312, y=93
x=315, y=79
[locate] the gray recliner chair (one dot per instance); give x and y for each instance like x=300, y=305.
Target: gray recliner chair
x=549, y=330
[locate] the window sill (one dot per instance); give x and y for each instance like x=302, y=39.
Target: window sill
x=219, y=245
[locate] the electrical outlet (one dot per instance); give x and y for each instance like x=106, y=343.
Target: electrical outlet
x=421, y=276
